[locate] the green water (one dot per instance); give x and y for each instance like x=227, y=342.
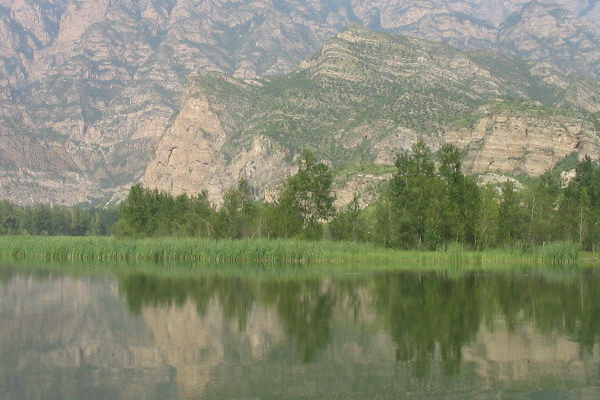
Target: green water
x=380, y=335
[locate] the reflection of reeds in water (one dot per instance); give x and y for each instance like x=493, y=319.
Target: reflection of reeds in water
x=271, y=252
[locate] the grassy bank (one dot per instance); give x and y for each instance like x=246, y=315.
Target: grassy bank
x=264, y=252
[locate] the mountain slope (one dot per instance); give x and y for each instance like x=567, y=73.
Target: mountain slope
x=550, y=33
x=92, y=85
x=362, y=99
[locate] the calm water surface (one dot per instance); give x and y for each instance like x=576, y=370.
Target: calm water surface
x=373, y=336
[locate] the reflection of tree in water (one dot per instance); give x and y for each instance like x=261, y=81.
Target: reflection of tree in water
x=8, y=272
x=569, y=306
x=305, y=308
x=148, y=290
x=429, y=311
x=424, y=312
x=428, y=315
x=235, y=295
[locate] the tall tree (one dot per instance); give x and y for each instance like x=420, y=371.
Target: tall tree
x=349, y=224
x=306, y=200
x=510, y=217
x=412, y=191
x=239, y=212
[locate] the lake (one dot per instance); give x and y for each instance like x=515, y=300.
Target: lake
x=378, y=335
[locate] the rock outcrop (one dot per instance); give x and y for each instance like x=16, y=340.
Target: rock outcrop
x=519, y=143
x=190, y=156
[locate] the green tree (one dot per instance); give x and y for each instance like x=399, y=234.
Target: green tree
x=580, y=205
x=306, y=200
x=202, y=216
x=134, y=213
x=461, y=197
x=541, y=200
x=239, y=212
x=412, y=191
x=9, y=218
x=510, y=216
x=349, y=224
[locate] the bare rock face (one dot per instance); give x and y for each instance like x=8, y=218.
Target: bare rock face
x=549, y=32
x=365, y=186
x=518, y=143
x=403, y=140
x=264, y=164
x=105, y=78
x=190, y=156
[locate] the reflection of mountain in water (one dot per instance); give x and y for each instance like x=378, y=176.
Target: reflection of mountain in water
x=223, y=337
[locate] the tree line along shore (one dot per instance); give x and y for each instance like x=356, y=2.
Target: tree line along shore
x=428, y=204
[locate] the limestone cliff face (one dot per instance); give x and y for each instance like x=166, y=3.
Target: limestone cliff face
x=518, y=143
x=190, y=156
x=541, y=32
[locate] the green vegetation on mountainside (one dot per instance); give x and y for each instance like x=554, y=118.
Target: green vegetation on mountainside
x=365, y=86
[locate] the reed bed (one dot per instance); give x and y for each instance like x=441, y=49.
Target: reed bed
x=560, y=253
x=190, y=251
x=183, y=250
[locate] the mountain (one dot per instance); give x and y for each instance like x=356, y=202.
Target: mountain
x=89, y=88
x=550, y=33
x=363, y=98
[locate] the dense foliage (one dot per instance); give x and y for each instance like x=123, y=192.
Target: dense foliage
x=305, y=203
x=43, y=219
x=428, y=204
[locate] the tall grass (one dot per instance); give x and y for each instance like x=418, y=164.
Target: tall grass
x=262, y=252
x=560, y=253
x=185, y=250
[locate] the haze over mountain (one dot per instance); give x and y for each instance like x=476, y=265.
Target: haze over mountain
x=90, y=91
